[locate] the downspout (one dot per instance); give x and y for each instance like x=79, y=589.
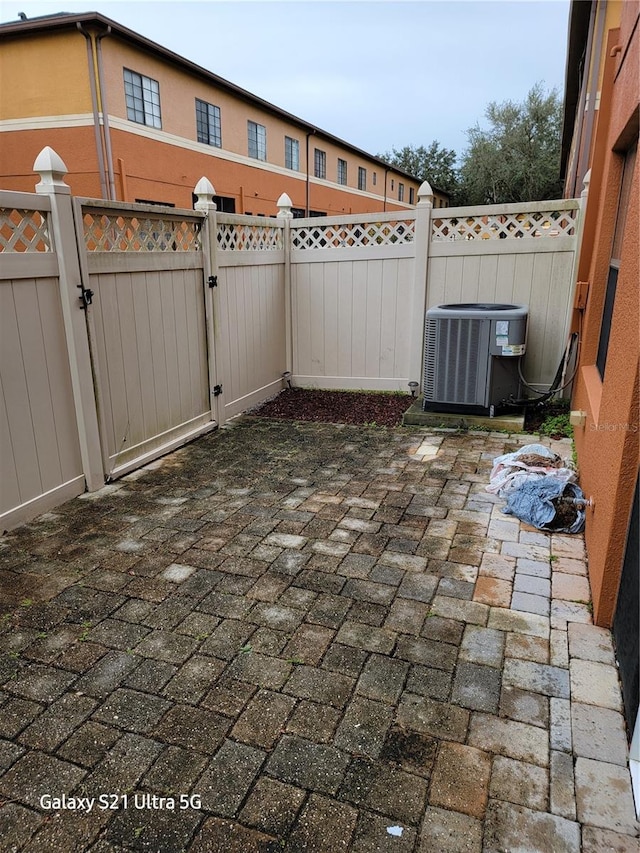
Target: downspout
x=308, y=188
x=94, y=105
x=105, y=115
x=577, y=155
x=593, y=92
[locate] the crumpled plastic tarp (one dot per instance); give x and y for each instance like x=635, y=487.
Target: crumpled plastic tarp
x=534, y=480
x=533, y=502
x=511, y=470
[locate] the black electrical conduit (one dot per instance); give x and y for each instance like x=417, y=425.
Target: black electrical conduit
x=555, y=385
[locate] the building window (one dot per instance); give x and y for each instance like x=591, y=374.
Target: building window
x=400, y=192
x=257, y=134
x=223, y=203
x=362, y=178
x=412, y=195
x=291, y=153
x=614, y=262
x=375, y=179
x=208, y=124
x=342, y=171
x=393, y=183
x=320, y=163
x=142, y=96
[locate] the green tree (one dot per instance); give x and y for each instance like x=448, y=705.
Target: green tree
x=434, y=164
x=518, y=157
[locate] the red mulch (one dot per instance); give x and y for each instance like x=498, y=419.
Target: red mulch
x=338, y=407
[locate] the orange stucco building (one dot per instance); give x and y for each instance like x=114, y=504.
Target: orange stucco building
x=140, y=123
x=601, y=142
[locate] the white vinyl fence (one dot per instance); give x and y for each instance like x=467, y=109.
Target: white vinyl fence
x=355, y=298
x=251, y=309
x=48, y=423
x=128, y=329
x=147, y=328
x=361, y=285
x=39, y=445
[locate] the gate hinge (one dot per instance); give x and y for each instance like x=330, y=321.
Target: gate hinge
x=217, y=390
x=213, y=281
x=86, y=296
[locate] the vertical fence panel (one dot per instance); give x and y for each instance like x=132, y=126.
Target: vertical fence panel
x=393, y=341
x=361, y=276
x=140, y=297
x=344, y=284
x=17, y=394
x=511, y=285
x=330, y=309
x=488, y=279
x=353, y=280
x=34, y=360
x=252, y=309
x=373, y=284
x=10, y=491
x=40, y=458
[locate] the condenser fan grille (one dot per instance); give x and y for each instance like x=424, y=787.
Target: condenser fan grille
x=457, y=378
x=451, y=360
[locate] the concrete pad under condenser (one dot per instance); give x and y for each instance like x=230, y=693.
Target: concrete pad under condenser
x=415, y=416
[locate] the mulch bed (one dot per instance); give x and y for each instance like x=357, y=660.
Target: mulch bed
x=361, y=407
x=338, y=407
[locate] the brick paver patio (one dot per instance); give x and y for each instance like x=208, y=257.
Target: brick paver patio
x=291, y=637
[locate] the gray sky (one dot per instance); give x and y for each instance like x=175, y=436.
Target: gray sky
x=378, y=74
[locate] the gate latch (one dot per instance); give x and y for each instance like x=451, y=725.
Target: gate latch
x=217, y=390
x=86, y=296
x=213, y=281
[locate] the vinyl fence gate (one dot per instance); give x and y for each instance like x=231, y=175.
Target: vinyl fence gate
x=144, y=277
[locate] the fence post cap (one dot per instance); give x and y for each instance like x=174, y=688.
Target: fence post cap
x=425, y=194
x=284, y=205
x=52, y=169
x=585, y=183
x=205, y=191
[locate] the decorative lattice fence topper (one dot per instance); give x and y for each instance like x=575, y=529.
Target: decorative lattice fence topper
x=545, y=223
x=241, y=237
x=353, y=235
x=24, y=231
x=113, y=232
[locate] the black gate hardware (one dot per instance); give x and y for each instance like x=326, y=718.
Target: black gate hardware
x=86, y=296
x=217, y=390
x=213, y=281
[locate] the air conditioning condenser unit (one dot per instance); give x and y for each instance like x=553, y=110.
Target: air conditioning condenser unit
x=471, y=357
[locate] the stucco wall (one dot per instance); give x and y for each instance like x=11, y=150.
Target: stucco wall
x=76, y=145
x=608, y=444
x=51, y=78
